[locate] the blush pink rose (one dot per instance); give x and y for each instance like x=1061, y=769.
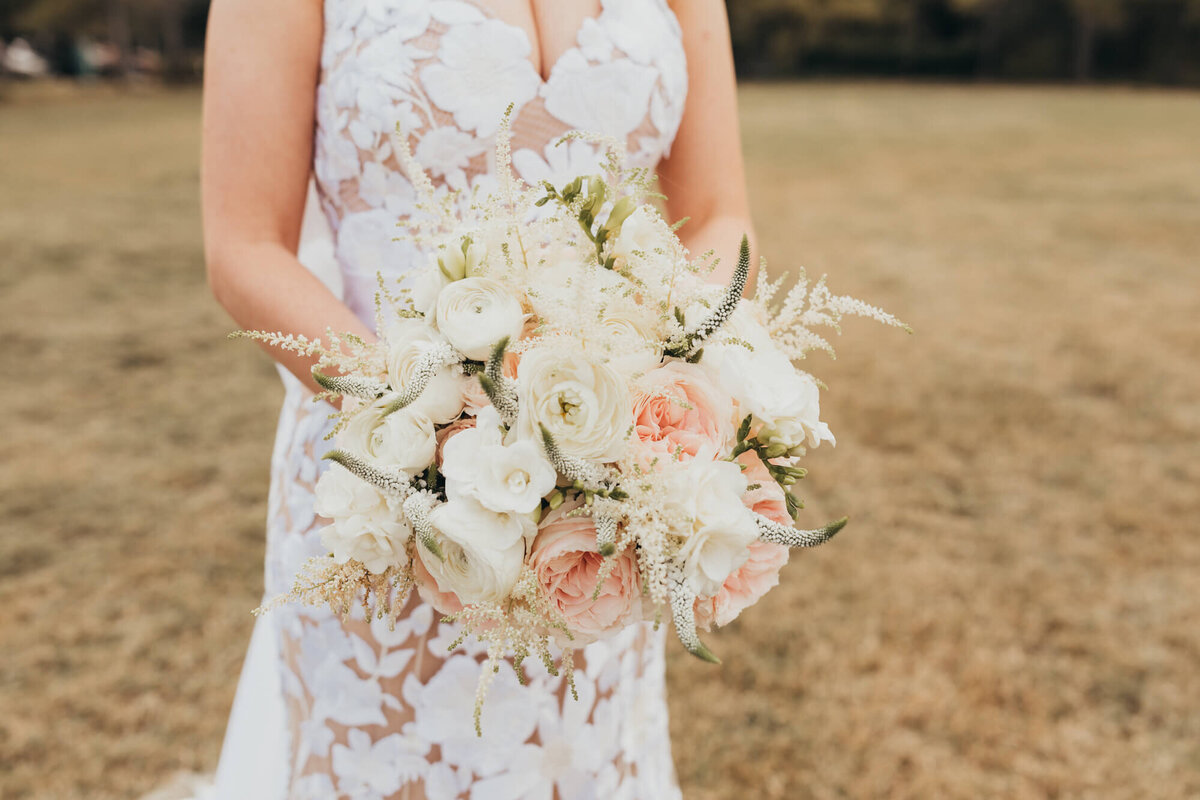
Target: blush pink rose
x=567, y=564
x=680, y=413
x=749, y=582
x=443, y=435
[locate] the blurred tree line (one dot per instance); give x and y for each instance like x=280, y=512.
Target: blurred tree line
x=173, y=29
x=1143, y=40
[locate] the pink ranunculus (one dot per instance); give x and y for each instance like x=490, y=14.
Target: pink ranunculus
x=444, y=602
x=443, y=434
x=760, y=573
x=567, y=564
x=474, y=397
x=680, y=413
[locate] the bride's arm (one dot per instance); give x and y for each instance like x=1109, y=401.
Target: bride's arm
x=704, y=178
x=260, y=74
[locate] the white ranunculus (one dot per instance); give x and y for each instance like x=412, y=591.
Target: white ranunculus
x=483, y=551
x=585, y=406
x=719, y=528
x=643, y=231
x=785, y=401
x=374, y=540
x=632, y=344
x=475, y=313
x=405, y=439
x=512, y=478
x=407, y=340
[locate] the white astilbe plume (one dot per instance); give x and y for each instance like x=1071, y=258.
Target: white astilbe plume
x=791, y=321
x=518, y=627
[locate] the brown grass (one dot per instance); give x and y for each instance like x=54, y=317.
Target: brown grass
x=1013, y=612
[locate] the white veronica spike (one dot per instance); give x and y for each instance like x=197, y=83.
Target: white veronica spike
x=392, y=481
x=771, y=531
x=683, y=610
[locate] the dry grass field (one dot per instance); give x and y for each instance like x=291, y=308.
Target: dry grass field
x=1014, y=611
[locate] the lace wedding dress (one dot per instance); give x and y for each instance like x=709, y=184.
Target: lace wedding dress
x=327, y=709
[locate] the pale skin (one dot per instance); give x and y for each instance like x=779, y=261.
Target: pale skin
x=261, y=71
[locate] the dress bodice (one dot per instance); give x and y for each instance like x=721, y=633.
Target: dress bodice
x=442, y=72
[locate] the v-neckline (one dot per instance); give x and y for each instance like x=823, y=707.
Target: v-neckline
x=544, y=79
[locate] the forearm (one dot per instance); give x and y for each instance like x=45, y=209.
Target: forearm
x=722, y=235
x=264, y=287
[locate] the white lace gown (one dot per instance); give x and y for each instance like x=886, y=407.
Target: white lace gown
x=328, y=709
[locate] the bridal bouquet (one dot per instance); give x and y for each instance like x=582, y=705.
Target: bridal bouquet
x=565, y=429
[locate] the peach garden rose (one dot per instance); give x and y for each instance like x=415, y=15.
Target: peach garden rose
x=679, y=414
x=567, y=565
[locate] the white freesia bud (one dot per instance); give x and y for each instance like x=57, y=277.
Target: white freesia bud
x=457, y=262
x=483, y=551
x=586, y=407
x=362, y=525
x=475, y=313
x=719, y=527
x=407, y=341
x=511, y=478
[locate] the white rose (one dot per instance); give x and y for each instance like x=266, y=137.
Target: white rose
x=340, y=494
x=405, y=439
x=408, y=340
x=785, y=401
x=585, y=406
x=512, y=478
x=375, y=541
x=483, y=551
x=475, y=313
x=719, y=530
x=643, y=231
x=363, y=524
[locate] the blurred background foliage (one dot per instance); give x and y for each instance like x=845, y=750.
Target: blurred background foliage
x=1153, y=41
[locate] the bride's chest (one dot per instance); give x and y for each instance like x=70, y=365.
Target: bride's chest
x=445, y=71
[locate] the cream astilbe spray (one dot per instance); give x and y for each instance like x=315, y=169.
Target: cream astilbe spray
x=515, y=628
x=790, y=322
